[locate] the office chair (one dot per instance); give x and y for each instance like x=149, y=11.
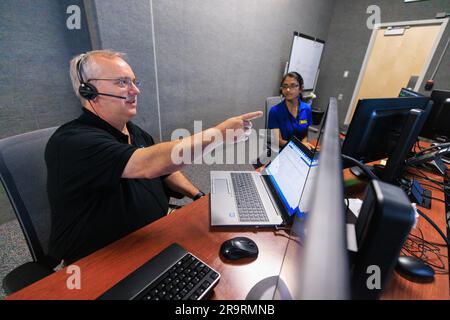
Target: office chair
x=271, y=102
x=23, y=174
x=269, y=151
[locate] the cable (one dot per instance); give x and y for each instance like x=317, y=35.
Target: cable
x=434, y=226
x=421, y=248
x=441, y=187
x=362, y=166
x=422, y=176
x=94, y=109
x=436, y=188
x=417, y=145
x=434, y=198
x=437, y=146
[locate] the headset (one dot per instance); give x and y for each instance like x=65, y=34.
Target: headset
x=87, y=90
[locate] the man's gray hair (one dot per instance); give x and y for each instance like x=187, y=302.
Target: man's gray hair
x=88, y=66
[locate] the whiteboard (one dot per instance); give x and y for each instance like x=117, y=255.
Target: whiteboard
x=305, y=58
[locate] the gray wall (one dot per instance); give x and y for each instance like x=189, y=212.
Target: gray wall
x=218, y=59
x=35, y=88
x=127, y=27
x=348, y=38
x=214, y=59
x=36, y=46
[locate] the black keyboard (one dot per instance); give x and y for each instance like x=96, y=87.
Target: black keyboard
x=174, y=274
x=249, y=205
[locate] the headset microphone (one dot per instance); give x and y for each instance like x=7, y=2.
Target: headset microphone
x=110, y=95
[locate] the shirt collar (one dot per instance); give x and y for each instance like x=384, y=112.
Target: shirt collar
x=92, y=119
x=301, y=106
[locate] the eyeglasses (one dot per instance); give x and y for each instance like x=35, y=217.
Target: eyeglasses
x=292, y=86
x=121, y=82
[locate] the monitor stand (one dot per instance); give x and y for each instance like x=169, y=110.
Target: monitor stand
x=270, y=288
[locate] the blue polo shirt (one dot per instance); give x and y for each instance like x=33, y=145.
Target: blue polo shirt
x=281, y=118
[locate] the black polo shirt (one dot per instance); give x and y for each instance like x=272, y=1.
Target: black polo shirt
x=91, y=204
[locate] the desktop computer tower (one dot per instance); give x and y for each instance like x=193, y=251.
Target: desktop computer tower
x=384, y=222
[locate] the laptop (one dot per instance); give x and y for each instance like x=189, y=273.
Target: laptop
x=269, y=198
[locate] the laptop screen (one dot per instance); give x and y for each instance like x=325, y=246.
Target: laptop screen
x=288, y=173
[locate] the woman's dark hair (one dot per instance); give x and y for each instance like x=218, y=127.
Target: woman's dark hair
x=294, y=75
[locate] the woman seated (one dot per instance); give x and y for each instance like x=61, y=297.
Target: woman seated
x=292, y=116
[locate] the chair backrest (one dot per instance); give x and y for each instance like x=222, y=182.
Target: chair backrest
x=271, y=151
x=23, y=173
x=270, y=102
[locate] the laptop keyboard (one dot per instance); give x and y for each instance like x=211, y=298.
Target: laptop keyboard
x=174, y=274
x=249, y=205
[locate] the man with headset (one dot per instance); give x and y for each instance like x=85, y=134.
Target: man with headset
x=106, y=176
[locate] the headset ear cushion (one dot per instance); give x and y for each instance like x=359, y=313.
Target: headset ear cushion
x=88, y=91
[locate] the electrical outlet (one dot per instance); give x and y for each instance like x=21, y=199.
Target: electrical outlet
x=345, y=74
x=340, y=96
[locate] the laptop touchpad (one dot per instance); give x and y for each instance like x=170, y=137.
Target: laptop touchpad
x=221, y=186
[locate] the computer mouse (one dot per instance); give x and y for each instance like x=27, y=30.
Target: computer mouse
x=238, y=248
x=414, y=269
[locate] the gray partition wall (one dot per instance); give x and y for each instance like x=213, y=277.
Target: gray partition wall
x=126, y=26
x=218, y=59
x=35, y=88
x=36, y=46
x=208, y=60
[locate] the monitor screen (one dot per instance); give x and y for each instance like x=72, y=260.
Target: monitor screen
x=437, y=125
x=291, y=168
x=409, y=93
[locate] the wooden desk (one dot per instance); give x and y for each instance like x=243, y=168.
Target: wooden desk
x=190, y=227
x=400, y=288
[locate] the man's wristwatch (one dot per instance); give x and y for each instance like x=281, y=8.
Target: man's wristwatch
x=198, y=195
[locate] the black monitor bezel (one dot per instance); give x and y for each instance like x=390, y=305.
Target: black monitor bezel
x=432, y=128
x=363, y=113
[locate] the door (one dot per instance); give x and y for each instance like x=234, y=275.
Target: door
x=395, y=55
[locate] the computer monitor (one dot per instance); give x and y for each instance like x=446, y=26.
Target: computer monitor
x=404, y=92
x=315, y=264
x=385, y=128
x=324, y=263
x=437, y=125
